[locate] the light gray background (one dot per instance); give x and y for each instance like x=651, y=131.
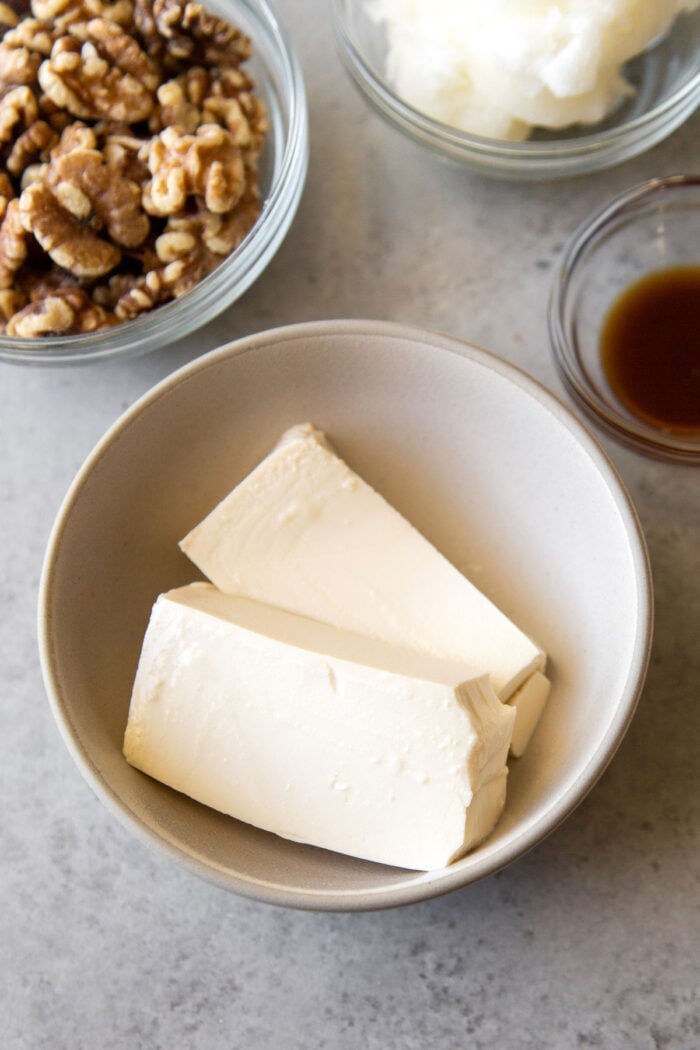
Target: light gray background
x=589, y=941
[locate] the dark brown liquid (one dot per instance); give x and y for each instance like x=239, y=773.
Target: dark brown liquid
x=650, y=348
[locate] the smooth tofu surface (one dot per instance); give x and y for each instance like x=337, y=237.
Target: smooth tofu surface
x=529, y=702
x=304, y=532
x=316, y=734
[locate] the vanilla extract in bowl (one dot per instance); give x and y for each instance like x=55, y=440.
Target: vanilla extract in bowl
x=650, y=348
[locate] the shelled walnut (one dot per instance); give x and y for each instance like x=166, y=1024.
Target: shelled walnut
x=130, y=137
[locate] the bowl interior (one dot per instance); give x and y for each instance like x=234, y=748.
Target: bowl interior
x=651, y=228
x=497, y=473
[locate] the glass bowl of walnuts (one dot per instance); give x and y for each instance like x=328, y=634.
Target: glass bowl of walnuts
x=153, y=156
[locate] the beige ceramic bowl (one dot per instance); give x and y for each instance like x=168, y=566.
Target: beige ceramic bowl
x=489, y=465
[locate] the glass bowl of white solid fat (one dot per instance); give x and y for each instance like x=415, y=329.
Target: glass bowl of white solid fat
x=620, y=112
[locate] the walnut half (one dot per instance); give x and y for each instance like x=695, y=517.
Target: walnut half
x=207, y=164
x=99, y=72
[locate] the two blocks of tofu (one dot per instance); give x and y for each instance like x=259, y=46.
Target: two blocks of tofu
x=339, y=682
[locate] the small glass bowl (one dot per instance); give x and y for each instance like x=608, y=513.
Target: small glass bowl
x=666, y=78
x=278, y=80
x=651, y=227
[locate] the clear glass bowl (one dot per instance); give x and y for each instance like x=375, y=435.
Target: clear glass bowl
x=648, y=228
x=276, y=72
x=666, y=78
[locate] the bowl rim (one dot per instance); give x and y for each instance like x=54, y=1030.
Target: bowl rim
x=232, y=278
x=640, y=436
x=417, y=886
x=530, y=159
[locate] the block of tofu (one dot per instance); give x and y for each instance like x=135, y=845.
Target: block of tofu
x=529, y=702
x=304, y=532
x=316, y=734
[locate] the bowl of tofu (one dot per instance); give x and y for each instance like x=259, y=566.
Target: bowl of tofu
x=325, y=617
